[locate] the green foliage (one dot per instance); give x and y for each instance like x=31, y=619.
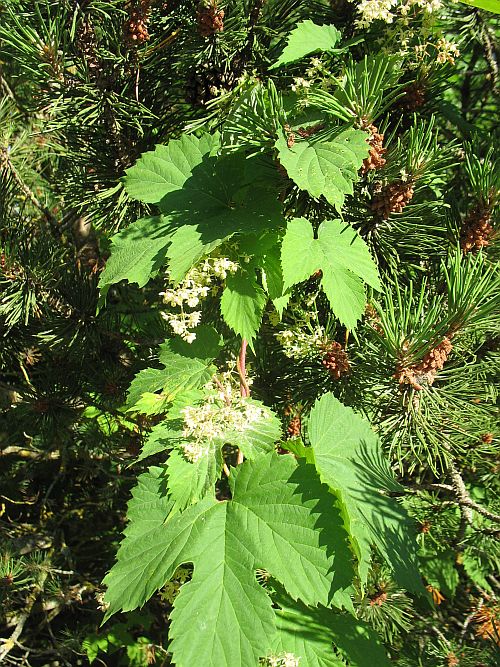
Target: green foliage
x=488, y=5
x=326, y=169
x=343, y=259
x=119, y=636
x=242, y=305
x=310, y=633
x=180, y=371
x=269, y=523
x=162, y=164
x=348, y=458
x=137, y=252
x=365, y=90
x=167, y=168
x=308, y=38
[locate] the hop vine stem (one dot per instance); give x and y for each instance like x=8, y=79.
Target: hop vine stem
x=244, y=388
x=241, y=365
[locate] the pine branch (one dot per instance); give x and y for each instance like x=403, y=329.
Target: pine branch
x=6, y=162
x=246, y=51
x=12, y=641
x=462, y=497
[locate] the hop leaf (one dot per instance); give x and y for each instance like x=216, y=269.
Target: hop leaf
x=326, y=169
x=343, y=258
x=167, y=168
x=136, y=252
x=242, y=304
x=348, y=457
x=279, y=519
x=307, y=38
x=185, y=366
x=310, y=633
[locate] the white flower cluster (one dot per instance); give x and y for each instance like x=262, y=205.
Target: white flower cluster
x=375, y=10
x=194, y=451
x=299, y=83
x=222, y=411
x=447, y=51
x=387, y=10
x=313, y=73
x=298, y=344
x=281, y=660
x=196, y=286
x=428, y=6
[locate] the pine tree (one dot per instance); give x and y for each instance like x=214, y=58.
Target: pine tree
x=234, y=235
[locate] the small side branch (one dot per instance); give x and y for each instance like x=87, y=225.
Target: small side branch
x=462, y=497
x=244, y=388
x=13, y=640
x=7, y=162
x=246, y=51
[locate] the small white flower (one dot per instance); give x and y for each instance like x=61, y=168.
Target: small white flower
x=194, y=318
x=193, y=451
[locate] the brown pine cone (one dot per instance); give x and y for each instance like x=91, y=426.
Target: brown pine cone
x=306, y=132
x=427, y=369
x=392, y=198
x=135, y=27
x=86, y=43
x=375, y=159
x=293, y=429
x=210, y=18
x=477, y=231
x=378, y=599
x=487, y=621
x=207, y=83
x=336, y=360
x=414, y=96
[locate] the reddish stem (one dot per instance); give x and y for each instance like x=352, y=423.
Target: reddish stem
x=241, y=365
x=244, y=388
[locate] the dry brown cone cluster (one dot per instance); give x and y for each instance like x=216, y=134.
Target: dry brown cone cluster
x=414, y=96
x=290, y=136
x=294, y=426
x=477, y=231
x=392, y=198
x=425, y=527
x=452, y=660
x=86, y=43
x=335, y=360
x=487, y=622
x=378, y=599
x=31, y=356
x=135, y=27
x=210, y=18
x=373, y=318
x=375, y=159
x=207, y=83
x=427, y=369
